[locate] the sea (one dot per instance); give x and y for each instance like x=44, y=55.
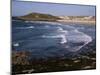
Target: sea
x=52, y=39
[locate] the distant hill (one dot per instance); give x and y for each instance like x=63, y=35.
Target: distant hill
x=48, y=17
x=38, y=17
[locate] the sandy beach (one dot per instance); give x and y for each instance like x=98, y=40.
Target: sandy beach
x=90, y=22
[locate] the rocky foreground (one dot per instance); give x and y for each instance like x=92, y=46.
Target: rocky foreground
x=23, y=63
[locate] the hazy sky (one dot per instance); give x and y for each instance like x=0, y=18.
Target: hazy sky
x=22, y=8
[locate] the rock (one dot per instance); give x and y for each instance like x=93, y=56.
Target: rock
x=93, y=59
x=66, y=65
x=20, y=57
x=76, y=61
x=28, y=71
x=86, y=57
x=87, y=67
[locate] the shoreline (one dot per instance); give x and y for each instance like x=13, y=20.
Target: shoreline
x=72, y=22
x=89, y=22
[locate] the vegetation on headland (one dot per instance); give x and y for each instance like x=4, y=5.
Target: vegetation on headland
x=38, y=17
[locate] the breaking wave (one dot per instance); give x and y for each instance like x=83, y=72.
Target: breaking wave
x=16, y=44
x=73, y=36
x=49, y=39
x=30, y=27
x=62, y=37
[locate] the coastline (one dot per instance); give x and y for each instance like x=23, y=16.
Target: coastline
x=89, y=22
x=72, y=22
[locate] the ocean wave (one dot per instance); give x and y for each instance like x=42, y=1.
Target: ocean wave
x=60, y=33
x=78, y=37
x=66, y=34
x=47, y=26
x=29, y=27
x=44, y=22
x=62, y=37
x=59, y=29
x=16, y=44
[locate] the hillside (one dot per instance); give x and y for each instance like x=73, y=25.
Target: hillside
x=39, y=17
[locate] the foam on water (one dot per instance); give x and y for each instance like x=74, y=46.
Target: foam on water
x=60, y=29
x=50, y=39
x=72, y=35
x=16, y=44
x=62, y=35
x=30, y=27
x=64, y=40
x=76, y=36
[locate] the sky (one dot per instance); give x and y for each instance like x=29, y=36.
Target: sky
x=20, y=8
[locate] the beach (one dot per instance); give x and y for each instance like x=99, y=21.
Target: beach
x=89, y=22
